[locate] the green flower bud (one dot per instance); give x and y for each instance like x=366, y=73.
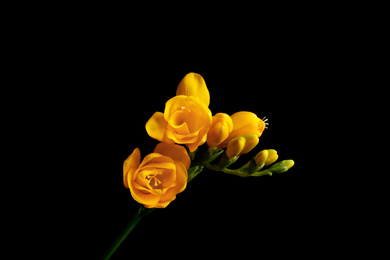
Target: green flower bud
x=282, y=166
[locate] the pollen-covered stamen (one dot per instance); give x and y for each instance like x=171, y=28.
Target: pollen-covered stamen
x=265, y=119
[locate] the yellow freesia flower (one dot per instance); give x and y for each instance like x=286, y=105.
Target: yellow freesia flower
x=186, y=118
x=161, y=175
x=244, y=123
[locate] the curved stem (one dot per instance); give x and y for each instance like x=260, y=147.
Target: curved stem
x=130, y=226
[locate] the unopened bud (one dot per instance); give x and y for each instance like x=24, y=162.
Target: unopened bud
x=220, y=129
x=251, y=141
x=235, y=147
x=289, y=163
x=272, y=157
x=261, y=157
x=282, y=166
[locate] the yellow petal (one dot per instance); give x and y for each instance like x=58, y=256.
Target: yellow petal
x=181, y=184
x=175, y=152
x=156, y=127
x=144, y=197
x=193, y=146
x=243, y=118
x=132, y=162
x=193, y=84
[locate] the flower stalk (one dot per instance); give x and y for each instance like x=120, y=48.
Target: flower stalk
x=142, y=212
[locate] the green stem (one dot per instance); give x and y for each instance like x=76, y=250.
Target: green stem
x=130, y=226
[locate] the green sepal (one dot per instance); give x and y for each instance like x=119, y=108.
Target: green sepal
x=193, y=171
x=192, y=154
x=210, y=155
x=253, y=167
x=226, y=162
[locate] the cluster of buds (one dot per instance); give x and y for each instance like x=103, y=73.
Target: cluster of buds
x=230, y=137
x=219, y=160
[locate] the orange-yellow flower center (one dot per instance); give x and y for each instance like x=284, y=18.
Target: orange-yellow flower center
x=154, y=182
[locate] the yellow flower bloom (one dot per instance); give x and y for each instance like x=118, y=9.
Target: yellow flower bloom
x=161, y=175
x=186, y=118
x=221, y=127
x=244, y=123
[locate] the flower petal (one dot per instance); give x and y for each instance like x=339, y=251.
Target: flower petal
x=243, y=118
x=156, y=127
x=192, y=147
x=181, y=183
x=174, y=151
x=132, y=162
x=193, y=84
x=144, y=197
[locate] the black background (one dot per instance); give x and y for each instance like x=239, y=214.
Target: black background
x=104, y=85
x=85, y=81
x=216, y=212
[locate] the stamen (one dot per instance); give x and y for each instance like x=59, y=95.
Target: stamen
x=156, y=183
x=265, y=119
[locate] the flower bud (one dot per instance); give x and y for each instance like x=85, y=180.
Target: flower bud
x=289, y=163
x=281, y=167
x=261, y=157
x=220, y=129
x=272, y=157
x=235, y=147
x=251, y=141
x=257, y=162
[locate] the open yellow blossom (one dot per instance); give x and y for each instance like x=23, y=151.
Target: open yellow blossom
x=186, y=118
x=161, y=175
